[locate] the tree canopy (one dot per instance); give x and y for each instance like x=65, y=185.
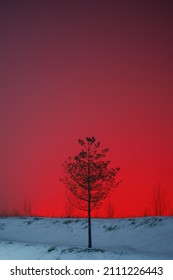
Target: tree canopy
x=89, y=172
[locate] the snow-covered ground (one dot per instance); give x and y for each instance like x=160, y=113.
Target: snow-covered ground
x=45, y=238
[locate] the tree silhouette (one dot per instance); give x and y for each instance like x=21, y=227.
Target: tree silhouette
x=27, y=209
x=68, y=207
x=88, y=178
x=159, y=202
x=110, y=209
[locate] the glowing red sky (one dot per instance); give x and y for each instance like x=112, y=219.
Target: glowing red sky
x=71, y=69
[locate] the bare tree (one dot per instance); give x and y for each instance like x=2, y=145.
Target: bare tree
x=68, y=207
x=89, y=178
x=15, y=213
x=27, y=207
x=110, y=208
x=159, y=201
x=4, y=213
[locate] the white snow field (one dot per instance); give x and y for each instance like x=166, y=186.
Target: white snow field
x=24, y=238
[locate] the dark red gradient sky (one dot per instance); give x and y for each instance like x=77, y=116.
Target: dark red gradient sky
x=70, y=69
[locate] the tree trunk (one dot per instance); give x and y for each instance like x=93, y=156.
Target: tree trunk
x=89, y=221
x=89, y=203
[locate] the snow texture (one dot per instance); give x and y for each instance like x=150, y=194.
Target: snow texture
x=24, y=238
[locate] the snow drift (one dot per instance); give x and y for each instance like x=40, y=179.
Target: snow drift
x=52, y=238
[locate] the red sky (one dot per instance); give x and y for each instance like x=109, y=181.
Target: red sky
x=71, y=69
